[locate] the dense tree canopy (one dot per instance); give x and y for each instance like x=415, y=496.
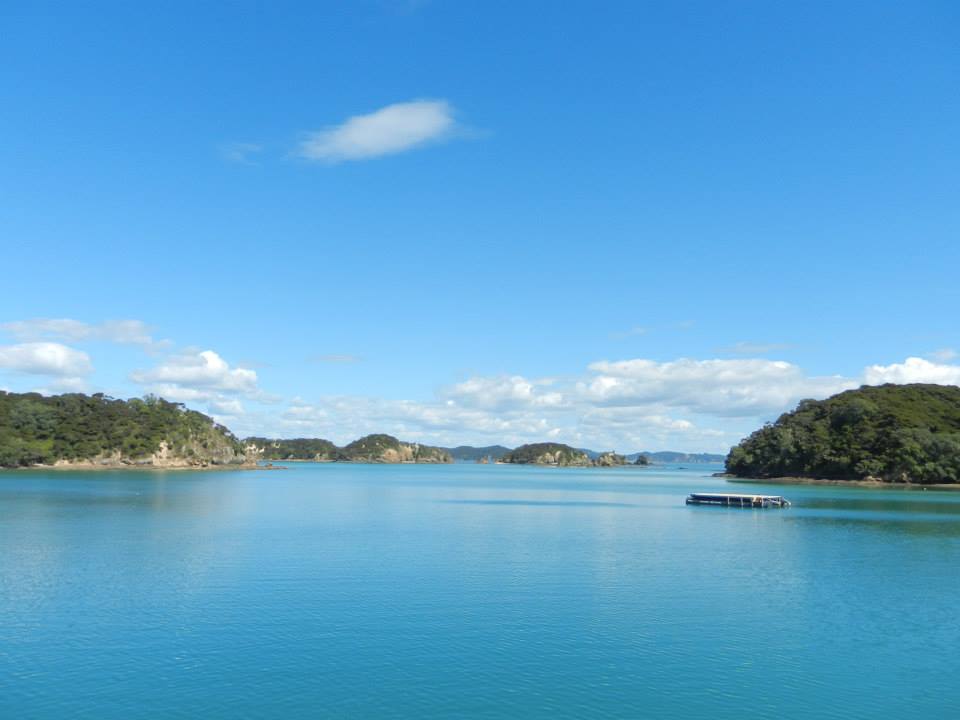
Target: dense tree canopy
x=35, y=429
x=897, y=433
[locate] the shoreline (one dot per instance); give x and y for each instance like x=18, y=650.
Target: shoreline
x=87, y=467
x=879, y=484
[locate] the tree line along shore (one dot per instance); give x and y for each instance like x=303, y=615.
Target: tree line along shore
x=96, y=431
x=876, y=434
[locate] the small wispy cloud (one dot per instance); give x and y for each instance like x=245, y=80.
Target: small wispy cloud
x=336, y=358
x=240, y=152
x=752, y=348
x=943, y=355
x=122, y=332
x=392, y=129
x=632, y=332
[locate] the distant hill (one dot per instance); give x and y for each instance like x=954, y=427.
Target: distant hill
x=547, y=454
x=894, y=433
x=315, y=449
x=666, y=456
x=96, y=430
x=387, y=449
x=371, y=448
x=469, y=453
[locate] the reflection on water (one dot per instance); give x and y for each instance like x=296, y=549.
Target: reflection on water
x=539, y=503
x=478, y=591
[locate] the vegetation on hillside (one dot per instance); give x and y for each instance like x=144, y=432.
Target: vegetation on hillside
x=386, y=448
x=546, y=454
x=470, y=453
x=296, y=449
x=35, y=429
x=895, y=433
x=378, y=448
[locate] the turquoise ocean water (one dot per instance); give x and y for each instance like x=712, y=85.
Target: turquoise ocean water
x=349, y=591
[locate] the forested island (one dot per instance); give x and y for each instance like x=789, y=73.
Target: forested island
x=77, y=430
x=888, y=433
x=377, y=448
x=313, y=449
x=565, y=456
x=469, y=453
x=547, y=454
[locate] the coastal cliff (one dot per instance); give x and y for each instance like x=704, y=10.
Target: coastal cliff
x=610, y=459
x=87, y=431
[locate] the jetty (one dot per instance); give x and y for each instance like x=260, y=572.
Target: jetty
x=737, y=500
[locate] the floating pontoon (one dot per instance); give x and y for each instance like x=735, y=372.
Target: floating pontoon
x=737, y=500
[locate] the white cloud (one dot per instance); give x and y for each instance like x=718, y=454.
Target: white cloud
x=342, y=419
x=913, y=370
x=203, y=378
x=505, y=391
x=717, y=387
x=202, y=372
x=391, y=129
x=123, y=332
x=629, y=405
x=45, y=358
x=223, y=406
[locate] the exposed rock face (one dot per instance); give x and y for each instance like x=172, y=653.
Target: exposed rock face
x=547, y=454
x=387, y=449
x=610, y=459
x=78, y=430
x=197, y=454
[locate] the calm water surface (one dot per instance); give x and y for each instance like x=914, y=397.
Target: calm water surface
x=471, y=591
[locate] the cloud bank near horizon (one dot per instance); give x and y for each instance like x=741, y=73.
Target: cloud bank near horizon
x=630, y=404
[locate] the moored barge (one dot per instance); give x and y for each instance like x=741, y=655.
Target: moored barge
x=737, y=500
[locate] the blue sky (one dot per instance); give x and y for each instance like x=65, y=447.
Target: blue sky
x=629, y=225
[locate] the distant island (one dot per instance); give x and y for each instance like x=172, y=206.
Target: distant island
x=887, y=433
x=77, y=430
x=468, y=453
x=666, y=456
x=377, y=448
x=492, y=453
x=562, y=455
x=96, y=431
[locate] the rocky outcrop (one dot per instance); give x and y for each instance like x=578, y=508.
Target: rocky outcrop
x=191, y=455
x=610, y=459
